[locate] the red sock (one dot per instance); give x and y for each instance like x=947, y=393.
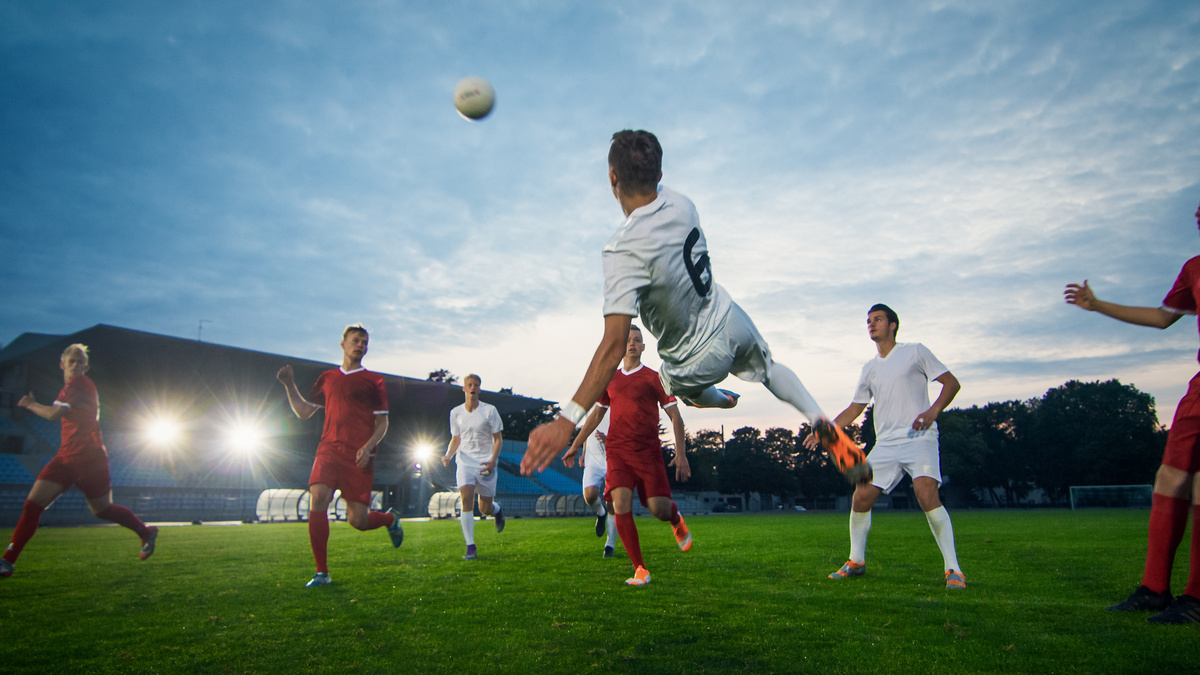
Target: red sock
x=1168, y=520
x=674, y=519
x=628, y=533
x=31, y=515
x=125, y=518
x=1193, y=584
x=318, y=536
x=378, y=519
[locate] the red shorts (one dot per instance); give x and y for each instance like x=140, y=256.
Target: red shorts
x=641, y=470
x=89, y=474
x=340, y=473
x=1184, y=436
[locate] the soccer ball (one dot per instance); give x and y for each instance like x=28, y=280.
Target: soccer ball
x=474, y=97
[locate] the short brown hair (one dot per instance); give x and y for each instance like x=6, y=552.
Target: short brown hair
x=636, y=159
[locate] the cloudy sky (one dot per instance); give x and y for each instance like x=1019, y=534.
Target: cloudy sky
x=277, y=170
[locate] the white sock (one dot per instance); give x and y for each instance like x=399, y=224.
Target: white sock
x=611, y=530
x=782, y=382
x=598, y=507
x=860, y=525
x=468, y=526
x=943, y=532
x=711, y=397
x=495, y=508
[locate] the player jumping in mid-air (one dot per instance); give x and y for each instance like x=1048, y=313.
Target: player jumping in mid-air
x=658, y=264
x=81, y=461
x=1177, y=482
x=595, y=468
x=475, y=430
x=634, y=393
x=356, y=420
x=906, y=438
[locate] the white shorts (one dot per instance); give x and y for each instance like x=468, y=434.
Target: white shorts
x=469, y=473
x=737, y=349
x=916, y=457
x=593, y=476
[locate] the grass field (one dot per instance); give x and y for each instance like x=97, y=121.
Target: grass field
x=750, y=596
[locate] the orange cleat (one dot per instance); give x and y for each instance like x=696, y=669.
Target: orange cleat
x=641, y=577
x=682, y=535
x=849, y=457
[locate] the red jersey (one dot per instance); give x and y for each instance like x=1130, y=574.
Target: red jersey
x=81, y=422
x=351, y=401
x=633, y=400
x=1185, y=294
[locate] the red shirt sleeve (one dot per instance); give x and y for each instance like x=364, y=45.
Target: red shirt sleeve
x=1182, y=297
x=664, y=399
x=317, y=394
x=381, y=392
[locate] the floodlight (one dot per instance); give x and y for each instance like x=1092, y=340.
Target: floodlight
x=162, y=431
x=245, y=436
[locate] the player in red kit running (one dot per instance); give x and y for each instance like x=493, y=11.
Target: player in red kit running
x=356, y=408
x=634, y=453
x=81, y=461
x=1177, y=482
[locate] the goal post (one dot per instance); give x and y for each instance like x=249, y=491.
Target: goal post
x=1111, y=496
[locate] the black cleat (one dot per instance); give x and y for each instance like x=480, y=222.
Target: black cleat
x=1143, y=600
x=498, y=516
x=1185, y=609
x=608, y=552
x=601, y=525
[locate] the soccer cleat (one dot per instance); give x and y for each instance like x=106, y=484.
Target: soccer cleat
x=319, y=579
x=682, y=536
x=849, y=457
x=733, y=401
x=608, y=553
x=850, y=569
x=1185, y=609
x=148, y=542
x=499, y=518
x=955, y=580
x=6, y=568
x=395, y=531
x=641, y=577
x=1143, y=599
x=470, y=553
x=601, y=525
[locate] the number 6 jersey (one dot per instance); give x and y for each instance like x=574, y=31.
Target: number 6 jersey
x=657, y=264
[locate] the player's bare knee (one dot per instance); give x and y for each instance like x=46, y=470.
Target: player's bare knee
x=864, y=497
x=1173, y=482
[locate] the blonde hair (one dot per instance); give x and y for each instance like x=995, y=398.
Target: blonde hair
x=79, y=348
x=477, y=378
x=355, y=328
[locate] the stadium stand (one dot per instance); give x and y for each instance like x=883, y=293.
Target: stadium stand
x=12, y=471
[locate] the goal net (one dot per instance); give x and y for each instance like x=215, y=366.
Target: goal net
x=1111, y=496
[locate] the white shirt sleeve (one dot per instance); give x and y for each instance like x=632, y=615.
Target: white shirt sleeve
x=929, y=363
x=624, y=276
x=862, y=392
x=497, y=424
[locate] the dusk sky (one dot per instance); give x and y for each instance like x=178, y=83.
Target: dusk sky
x=278, y=170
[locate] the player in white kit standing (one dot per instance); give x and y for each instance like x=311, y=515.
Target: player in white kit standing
x=475, y=429
x=657, y=264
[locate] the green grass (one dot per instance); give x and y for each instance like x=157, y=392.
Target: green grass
x=751, y=596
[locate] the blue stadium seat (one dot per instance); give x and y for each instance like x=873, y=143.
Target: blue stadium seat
x=12, y=471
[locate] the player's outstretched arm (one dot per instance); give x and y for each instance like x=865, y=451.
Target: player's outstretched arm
x=683, y=470
x=1081, y=296
x=549, y=439
x=368, y=451
x=589, y=427
x=950, y=389
x=300, y=405
x=843, y=420
x=49, y=412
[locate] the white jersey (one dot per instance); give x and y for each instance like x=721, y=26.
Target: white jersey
x=657, y=264
x=474, y=430
x=593, y=450
x=899, y=384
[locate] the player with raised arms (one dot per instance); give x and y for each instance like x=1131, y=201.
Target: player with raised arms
x=356, y=420
x=906, y=438
x=1177, y=482
x=82, y=460
x=595, y=468
x=635, y=460
x=476, y=439
x=658, y=264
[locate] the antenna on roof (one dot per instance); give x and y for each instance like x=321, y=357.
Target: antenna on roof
x=200, y=328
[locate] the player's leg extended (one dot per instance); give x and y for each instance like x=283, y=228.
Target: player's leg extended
x=41, y=496
x=864, y=498
x=1193, y=583
x=784, y=384
x=666, y=510
x=466, y=518
x=622, y=501
x=926, y=489
x=1168, y=521
x=319, y=497
x=591, y=496
x=102, y=507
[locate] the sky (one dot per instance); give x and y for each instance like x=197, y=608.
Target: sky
x=261, y=174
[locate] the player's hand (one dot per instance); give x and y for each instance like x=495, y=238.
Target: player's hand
x=487, y=468
x=285, y=375
x=364, y=457
x=811, y=441
x=27, y=401
x=1081, y=296
x=545, y=442
x=446, y=459
x=925, y=420
x=601, y=437
x=569, y=458
x=683, y=470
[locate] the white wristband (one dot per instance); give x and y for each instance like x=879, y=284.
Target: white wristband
x=574, y=412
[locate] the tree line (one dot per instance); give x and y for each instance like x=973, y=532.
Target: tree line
x=999, y=454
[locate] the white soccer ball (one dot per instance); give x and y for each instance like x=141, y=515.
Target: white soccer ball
x=474, y=97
